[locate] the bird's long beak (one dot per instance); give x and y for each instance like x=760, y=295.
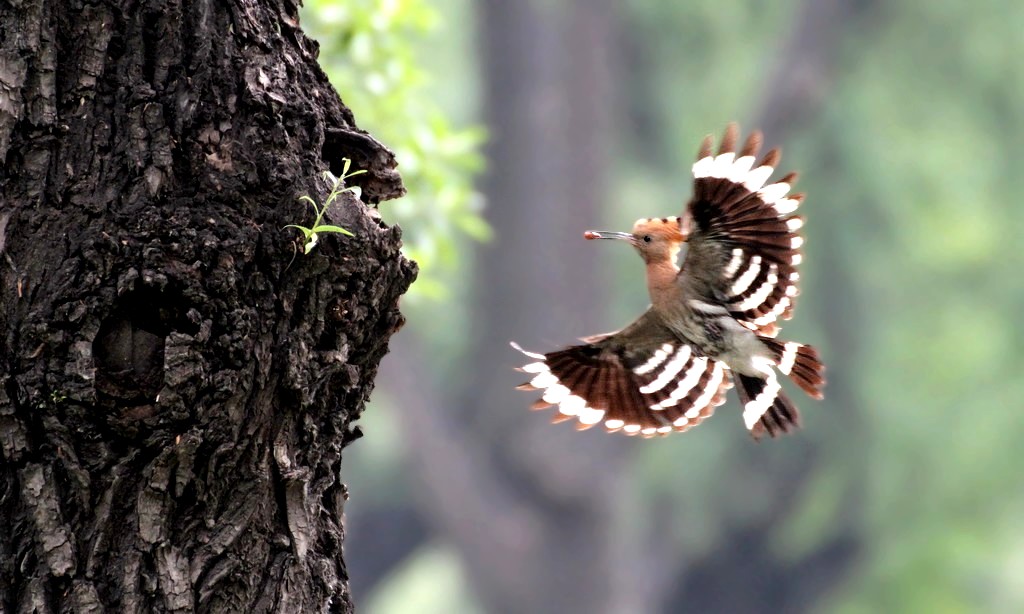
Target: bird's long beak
x=603, y=234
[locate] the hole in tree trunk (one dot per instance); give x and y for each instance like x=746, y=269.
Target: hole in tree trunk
x=129, y=349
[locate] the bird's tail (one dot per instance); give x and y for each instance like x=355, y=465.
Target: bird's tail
x=766, y=409
x=801, y=363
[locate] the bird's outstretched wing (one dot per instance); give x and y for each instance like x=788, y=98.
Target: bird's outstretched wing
x=642, y=380
x=744, y=245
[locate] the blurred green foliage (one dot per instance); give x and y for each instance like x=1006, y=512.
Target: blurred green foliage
x=910, y=167
x=374, y=53
x=431, y=581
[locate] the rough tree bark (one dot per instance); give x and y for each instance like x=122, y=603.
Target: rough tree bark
x=175, y=389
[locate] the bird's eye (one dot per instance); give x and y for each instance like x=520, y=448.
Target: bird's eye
x=647, y=238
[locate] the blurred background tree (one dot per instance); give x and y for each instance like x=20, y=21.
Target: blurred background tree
x=903, y=491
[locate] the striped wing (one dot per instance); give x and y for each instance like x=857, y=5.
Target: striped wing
x=642, y=380
x=743, y=234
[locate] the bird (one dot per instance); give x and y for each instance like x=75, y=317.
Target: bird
x=712, y=323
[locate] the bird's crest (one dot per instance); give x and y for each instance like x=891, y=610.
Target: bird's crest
x=669, y=228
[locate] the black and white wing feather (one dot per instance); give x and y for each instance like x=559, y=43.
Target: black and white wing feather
x=642, y=380
x=744, y=245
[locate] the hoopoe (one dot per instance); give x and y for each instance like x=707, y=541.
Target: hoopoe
x=710, y=323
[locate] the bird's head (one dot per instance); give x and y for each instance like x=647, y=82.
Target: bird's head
x=657, y=239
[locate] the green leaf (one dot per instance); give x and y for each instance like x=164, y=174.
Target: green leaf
x=329, y=228
x=305, y=231
x=312, y=203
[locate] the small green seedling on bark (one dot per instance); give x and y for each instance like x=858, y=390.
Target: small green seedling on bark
x=312, y=233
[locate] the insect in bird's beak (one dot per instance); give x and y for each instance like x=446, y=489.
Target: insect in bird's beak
x=603, y=234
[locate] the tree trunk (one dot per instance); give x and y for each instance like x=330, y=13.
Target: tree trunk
x=176, y=382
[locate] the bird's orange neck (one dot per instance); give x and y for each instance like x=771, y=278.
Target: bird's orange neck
x=661, y=282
